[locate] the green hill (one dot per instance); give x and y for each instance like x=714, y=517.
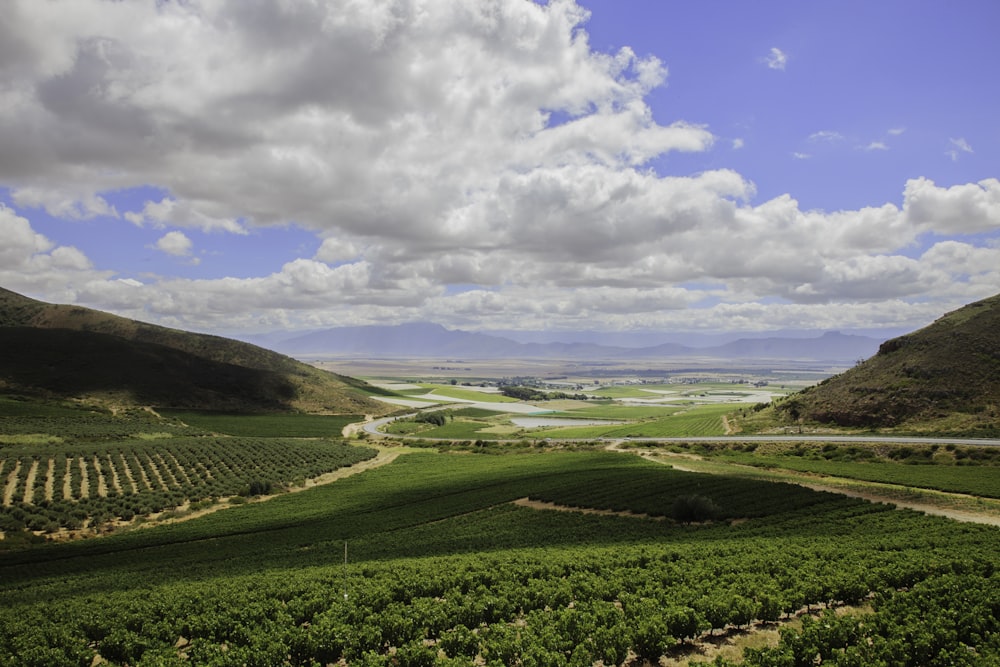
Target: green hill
x=944, y=377
x=79, y=352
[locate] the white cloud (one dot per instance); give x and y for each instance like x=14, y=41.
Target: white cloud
x=473, y=163
x=311, y=112
x=958, y=146
x=182, y=214
x=78, y=205
x=175, y=243
x=776, y=59
x=826, y=136
x=876, y=146
x=896, y=131
x=31, y=263
x=961, y=209
x=801, y=156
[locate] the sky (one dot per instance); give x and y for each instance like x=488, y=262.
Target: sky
x=246, y=166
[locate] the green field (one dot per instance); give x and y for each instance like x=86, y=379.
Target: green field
x=279, y=425
x=446, y=391
x=976, y=480
x=698, y=420
x=617, y=411
x=648, y=422
x=443, y=570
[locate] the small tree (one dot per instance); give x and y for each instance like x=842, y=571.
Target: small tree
x=693, y=507
x=259, y=488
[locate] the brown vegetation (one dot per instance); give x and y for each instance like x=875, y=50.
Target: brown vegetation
x=943, y=377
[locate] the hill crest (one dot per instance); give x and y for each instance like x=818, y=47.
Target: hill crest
x=946, y=375
x=155, y=364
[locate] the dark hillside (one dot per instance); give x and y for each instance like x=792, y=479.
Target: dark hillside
x=155, y=364
x=82, y=363
x=944, y=376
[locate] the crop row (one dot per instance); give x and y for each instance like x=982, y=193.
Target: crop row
x=445, y=571
x=45, y=488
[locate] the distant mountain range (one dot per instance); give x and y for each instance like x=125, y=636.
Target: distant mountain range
x=424, y=340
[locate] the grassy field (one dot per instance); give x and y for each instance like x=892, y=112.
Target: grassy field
x=446, y=391
x=976, y=480
x=694, y=421
x=270, y=426
x=648, y=422
x=618, y=411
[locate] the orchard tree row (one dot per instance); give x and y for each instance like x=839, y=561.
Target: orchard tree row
x=53, y=486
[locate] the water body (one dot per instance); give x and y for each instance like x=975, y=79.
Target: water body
x=540, y=422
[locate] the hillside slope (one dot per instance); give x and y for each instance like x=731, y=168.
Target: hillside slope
x=945, y=376
x=74, y=351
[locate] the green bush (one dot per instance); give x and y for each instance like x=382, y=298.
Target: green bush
x=692, y=508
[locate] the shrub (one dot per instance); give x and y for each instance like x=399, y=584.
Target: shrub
x=693, y=507
x=259, y=488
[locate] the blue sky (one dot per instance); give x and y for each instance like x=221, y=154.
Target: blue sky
x=640, y=166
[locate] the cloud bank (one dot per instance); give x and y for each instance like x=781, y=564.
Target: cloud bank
x=474, y=164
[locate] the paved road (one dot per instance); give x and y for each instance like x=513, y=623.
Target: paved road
x=372, y=428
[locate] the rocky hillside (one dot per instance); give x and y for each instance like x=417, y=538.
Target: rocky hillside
x=943, y=377
x=80, y=352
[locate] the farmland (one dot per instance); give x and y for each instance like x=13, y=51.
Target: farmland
x=49, y=487
x=643, y=421
x=970, y=470
x=523, y=552
x=67, y=468
x=444, y=569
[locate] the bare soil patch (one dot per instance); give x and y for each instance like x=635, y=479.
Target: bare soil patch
x=84, y=478
x=29, y=482
x=50, y=480
x=542, y=505
x=102, y=483
x=67, y=481
x=8, y=492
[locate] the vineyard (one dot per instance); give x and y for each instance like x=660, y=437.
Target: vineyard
x=951, y=468
x=444, y=569
x=51, y=486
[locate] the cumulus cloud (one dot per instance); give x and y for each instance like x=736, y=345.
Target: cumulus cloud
x=961, y=209
x=311, y=112
x=182, y=214
x=475, y=163
x=31, y=263
x=175, y=243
